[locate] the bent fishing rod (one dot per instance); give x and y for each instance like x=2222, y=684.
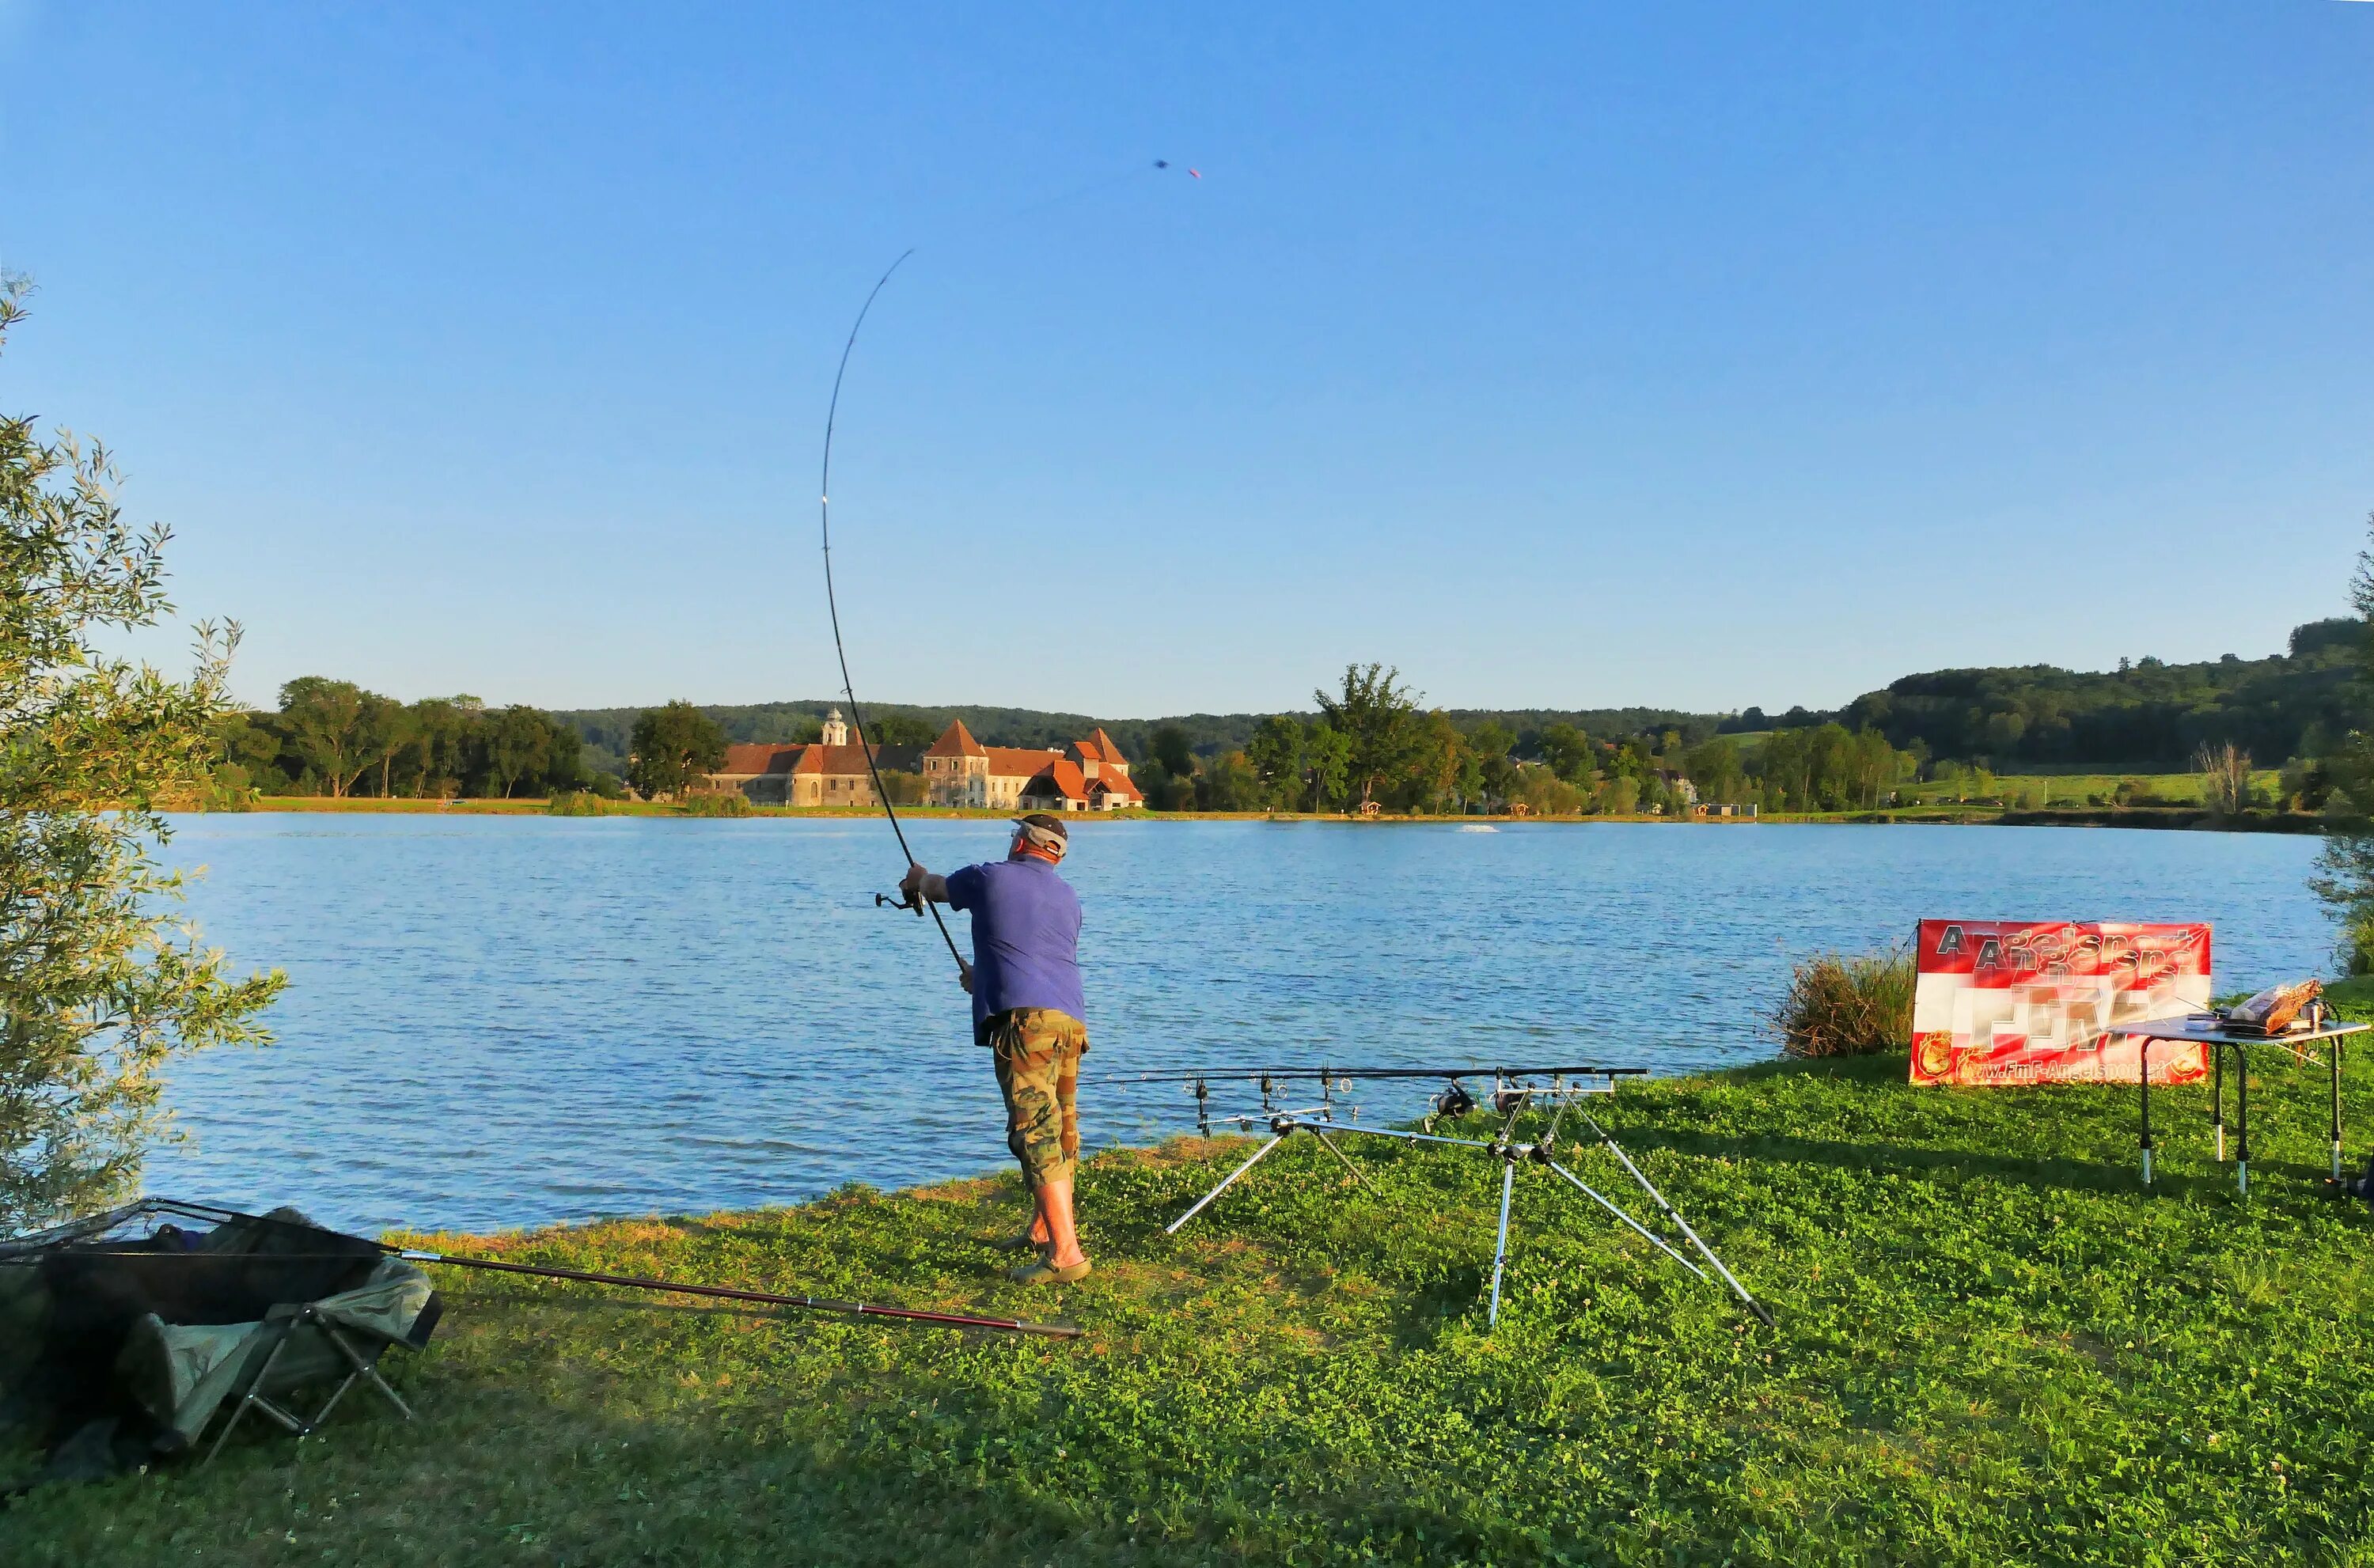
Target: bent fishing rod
x=915, y=901
x=32, y=1249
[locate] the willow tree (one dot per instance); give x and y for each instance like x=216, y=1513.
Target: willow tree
x=102, y=980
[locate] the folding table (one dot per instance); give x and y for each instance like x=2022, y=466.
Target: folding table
x=2207, y=1032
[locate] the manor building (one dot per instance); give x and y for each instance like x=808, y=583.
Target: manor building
x=826, y=772
x=1086, y=775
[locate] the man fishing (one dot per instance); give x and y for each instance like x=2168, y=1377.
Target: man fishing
x=1026, y=1008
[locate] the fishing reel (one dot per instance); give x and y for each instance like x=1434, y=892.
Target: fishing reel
x=1455, y=1101
x=900, y=901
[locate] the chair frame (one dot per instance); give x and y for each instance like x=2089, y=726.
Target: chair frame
x=361, y=1370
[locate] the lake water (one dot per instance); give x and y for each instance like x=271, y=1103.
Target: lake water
x=503, y=1021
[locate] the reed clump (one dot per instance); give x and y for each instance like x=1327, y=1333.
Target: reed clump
x=578, y=802
x=1842, y=1004
x=719, y=803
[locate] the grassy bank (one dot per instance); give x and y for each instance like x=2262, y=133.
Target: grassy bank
x=1991, y=1349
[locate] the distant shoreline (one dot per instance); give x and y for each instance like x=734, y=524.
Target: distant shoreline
x=2156, y=818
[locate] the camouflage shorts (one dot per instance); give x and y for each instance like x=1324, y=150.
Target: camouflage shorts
x=1038, y=1052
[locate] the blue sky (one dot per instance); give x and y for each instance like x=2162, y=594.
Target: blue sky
x=1694, y=353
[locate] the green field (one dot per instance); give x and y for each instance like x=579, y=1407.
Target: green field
x=1990, y=1349
x=2078, y=788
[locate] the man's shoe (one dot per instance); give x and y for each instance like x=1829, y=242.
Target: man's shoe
x=1045, y=1273
x=1023, y=1238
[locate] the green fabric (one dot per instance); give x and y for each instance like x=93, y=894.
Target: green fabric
x=183, y=1373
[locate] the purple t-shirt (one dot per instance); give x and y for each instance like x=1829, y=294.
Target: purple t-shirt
x=1026, y=937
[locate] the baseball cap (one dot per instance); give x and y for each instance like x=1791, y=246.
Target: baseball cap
x=1046, y=832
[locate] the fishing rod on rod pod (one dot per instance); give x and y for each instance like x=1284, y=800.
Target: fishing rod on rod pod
x=1189, y=1075
x=1453, y=1100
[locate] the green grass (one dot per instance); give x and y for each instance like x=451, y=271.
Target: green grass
x=1991, y=1349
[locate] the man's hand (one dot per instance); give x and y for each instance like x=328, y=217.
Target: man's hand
x=964, y=975
x=919, y=885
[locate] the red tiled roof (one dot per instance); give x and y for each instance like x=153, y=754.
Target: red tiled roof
x=1059, y=777
x=1099, y=746
x=957, y=740
x=847, y=762
x=1019, y=761
x=1116, y=784
x=752, y=757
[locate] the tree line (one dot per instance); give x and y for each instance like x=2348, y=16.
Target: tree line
x=1370, y=741
x=330, y=737
x=1373, y=744
x=608, y=732
x=2146, y=716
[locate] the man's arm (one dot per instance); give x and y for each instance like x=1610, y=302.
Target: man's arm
x=934, y=887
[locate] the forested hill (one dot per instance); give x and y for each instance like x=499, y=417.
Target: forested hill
x=2149, y=716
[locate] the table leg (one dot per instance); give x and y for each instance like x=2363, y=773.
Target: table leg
x=2337, y=1047
x=2143, y=1092
x=2217, y=1099
x=2242, y=1120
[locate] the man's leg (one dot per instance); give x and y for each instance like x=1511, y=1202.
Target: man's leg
x=1008, y=1052
x=1054, y=1198
x=1037, y=1062
x=1054, y=1222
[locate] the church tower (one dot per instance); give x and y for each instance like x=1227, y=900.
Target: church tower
x=836, y=733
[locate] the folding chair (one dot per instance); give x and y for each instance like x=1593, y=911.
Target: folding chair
x=308, y=1345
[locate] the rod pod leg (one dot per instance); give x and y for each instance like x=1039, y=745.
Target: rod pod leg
x=1651, y=1237
x=1329, y=1144
x=1500, y=1252
x=1172, y=1228
x=1674, y=1217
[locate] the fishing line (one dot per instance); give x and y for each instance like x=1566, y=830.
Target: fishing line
x=920, y=904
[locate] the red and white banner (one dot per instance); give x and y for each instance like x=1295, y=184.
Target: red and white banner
x=2040, y=1001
